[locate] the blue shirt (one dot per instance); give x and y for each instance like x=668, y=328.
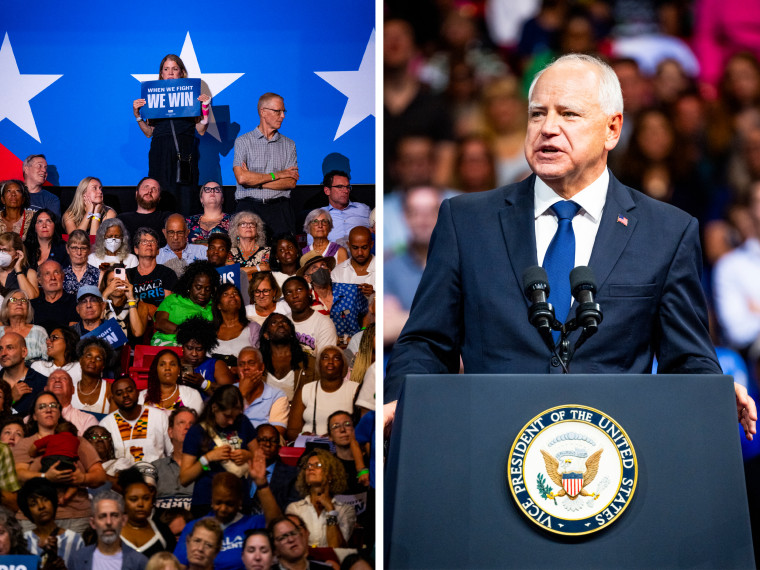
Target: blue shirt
x=355, y=214
x=348, y=305
x=258, y=411
x=192, y=252
x=45, y=199
x=232, y=542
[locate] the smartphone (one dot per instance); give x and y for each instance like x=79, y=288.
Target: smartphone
x=120, y=273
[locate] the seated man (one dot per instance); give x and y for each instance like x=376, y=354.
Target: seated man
x=287, y=366
x=359, y=269
x=24, y=381
x=291, y=546
x=313, y=329
x=54, y=307
x=263, y=403
x=343, y=302
x=141, y=432
x=60, y=383
x=152, y=282
x=280, y=475
x=219, y=246
x=175, y=232
x=345, y=214
x=90, y=307
x=170, y=493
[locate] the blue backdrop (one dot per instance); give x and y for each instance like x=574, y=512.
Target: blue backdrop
x=69, y=72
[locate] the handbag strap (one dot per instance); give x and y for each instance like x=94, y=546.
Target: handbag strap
x=174, y=135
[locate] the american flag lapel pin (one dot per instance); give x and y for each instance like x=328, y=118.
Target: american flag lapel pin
x=622, y=220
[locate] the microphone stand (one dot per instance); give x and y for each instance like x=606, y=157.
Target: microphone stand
x=587, y=315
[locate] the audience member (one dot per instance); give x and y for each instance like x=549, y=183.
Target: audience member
x=87, y=209
x=169, y=492
x=93, y=394
x=14, y=270
x=344, y=213
x=314, y=330
x=203, y=545
x=213, y=219
x=266, y=167
x=263, y=404
x=219, y=246
x=12, y=430
x=61, y=354
x=475, y=166
x=122, y=305
x=164, y=390
x=152, y=282
x=147, y=214
x=265, y=292
x=24, y=381
x=90, y=308
x=54, y=307
x=137, y=431
x=318, y=224
x=360, y=268
x=109, y=552
x=287, y=365
x=141, y=532
x=16, y=316
x=13, y=535
x=59, y=449
x=314, y=402
x=35, y=173
x=16, y=215
x=79, y=273
x=248, y=237
x=60, y=383
x=281, y=477
x=291, y=546
x=45, y=241
x=198, y=340
x=257, y=550
x=286, y=257
x=112, y=246
x=348, y=451
x=233, y=330
x=177, y=246
x=101, y=440
x=192, y=297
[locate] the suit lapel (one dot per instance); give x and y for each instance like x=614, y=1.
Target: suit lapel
x=518, y=227
x=615, y=229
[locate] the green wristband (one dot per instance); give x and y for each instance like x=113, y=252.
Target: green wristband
x=272, y=175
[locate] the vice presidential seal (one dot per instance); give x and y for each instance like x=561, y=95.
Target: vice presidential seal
x=572, y=470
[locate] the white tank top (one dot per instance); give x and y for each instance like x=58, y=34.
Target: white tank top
x=100, y=405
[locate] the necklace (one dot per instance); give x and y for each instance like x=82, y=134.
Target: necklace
x=176, y=387
x=83, y=393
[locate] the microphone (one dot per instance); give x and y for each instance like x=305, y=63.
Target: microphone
x=583, y=285
x=540, y=312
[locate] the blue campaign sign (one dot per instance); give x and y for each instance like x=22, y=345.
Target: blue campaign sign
x=230, y=274
x=171, y=98
x=111, y=332
x=19, y=562
x=70, y=74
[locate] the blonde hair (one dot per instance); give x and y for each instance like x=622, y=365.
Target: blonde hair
x=160, y=560
x=4, y=307
x=77, y=210
x=365, y=355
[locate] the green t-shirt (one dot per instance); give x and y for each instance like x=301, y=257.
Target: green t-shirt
x=180, y=309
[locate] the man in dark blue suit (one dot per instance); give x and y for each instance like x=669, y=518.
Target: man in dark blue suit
x=645, y=256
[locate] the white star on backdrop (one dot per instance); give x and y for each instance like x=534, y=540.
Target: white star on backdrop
x=17, y=90
x=212, y=84
x=358, y=86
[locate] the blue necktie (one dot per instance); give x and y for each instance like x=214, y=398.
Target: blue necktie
x=560, y=260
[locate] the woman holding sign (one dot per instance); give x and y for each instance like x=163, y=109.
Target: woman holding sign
x=172, y=137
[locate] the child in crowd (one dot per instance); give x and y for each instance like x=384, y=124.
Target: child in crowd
x=62, y=446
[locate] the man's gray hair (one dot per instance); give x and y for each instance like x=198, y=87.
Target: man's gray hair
x=107, y=495
x=267, y=97
x=28, y=160
x=610, y=93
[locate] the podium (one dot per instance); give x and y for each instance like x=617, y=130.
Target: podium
x=448, y=503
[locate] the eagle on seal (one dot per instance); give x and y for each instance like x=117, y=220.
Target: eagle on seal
x=553, y=469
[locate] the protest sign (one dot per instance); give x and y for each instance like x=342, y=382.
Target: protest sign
x=111, y=332
x=171, y=98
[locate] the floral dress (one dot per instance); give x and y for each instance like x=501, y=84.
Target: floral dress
x=259, y=256
x=196, y=234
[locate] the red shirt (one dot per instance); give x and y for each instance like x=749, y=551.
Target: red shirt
x=65, y=443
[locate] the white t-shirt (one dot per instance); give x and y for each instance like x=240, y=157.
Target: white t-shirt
x=129, y=261
x=46, y=368
x=327, y=403
x=141, y=441
x=344, y=272
x=366, y=397
x=286, y=384
x=315, y=333
x=190, y=397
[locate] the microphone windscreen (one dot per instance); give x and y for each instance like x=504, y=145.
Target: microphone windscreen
x=535, y=277
x=582, y=278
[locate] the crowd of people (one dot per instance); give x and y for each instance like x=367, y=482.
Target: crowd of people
x=189, y=387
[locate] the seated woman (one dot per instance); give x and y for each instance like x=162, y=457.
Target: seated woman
x=38, y=500
x=141, y=532
x=12, y=430
x=286, y=257
x=248, y=237
x=61, y=353
x=258, y=552
x=79, y=273
x=14, y=269
x=287, y=366
x=92, y=393
x=13, y=535
x=46, y=413
x=191, y=298
x=212, y=220
x=265, y=293
x=233, y=330
x=198, y=340
x=16, y=315
x=45, y=242
x=314, y=402
x=318, y=224
x=321, y=477
x=101, y=440
x=16, y=215
x=222, y=440
x=112, y=246
x=123, y=306
x=6, y=404
x=164, y=391
x=87, y=210
x=203, y=545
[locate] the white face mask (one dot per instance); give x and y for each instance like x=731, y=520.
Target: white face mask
x=113, y=244
x=5, y=259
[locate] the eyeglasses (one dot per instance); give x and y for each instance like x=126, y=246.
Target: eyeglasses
x=278, y=111
x=313, y=466
x=99, y=437
x=270, y=440
x=342, y=187
x=148, y=242
x=348, y=424
x=55, y=337
x=51, y=405
x=247, y=224
x=21, y=300
x=79, y=248
x=202, y=543
x=212, y=189
x=286, y=536
x=261, y=292
x=320, y=222
x=172, y=233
